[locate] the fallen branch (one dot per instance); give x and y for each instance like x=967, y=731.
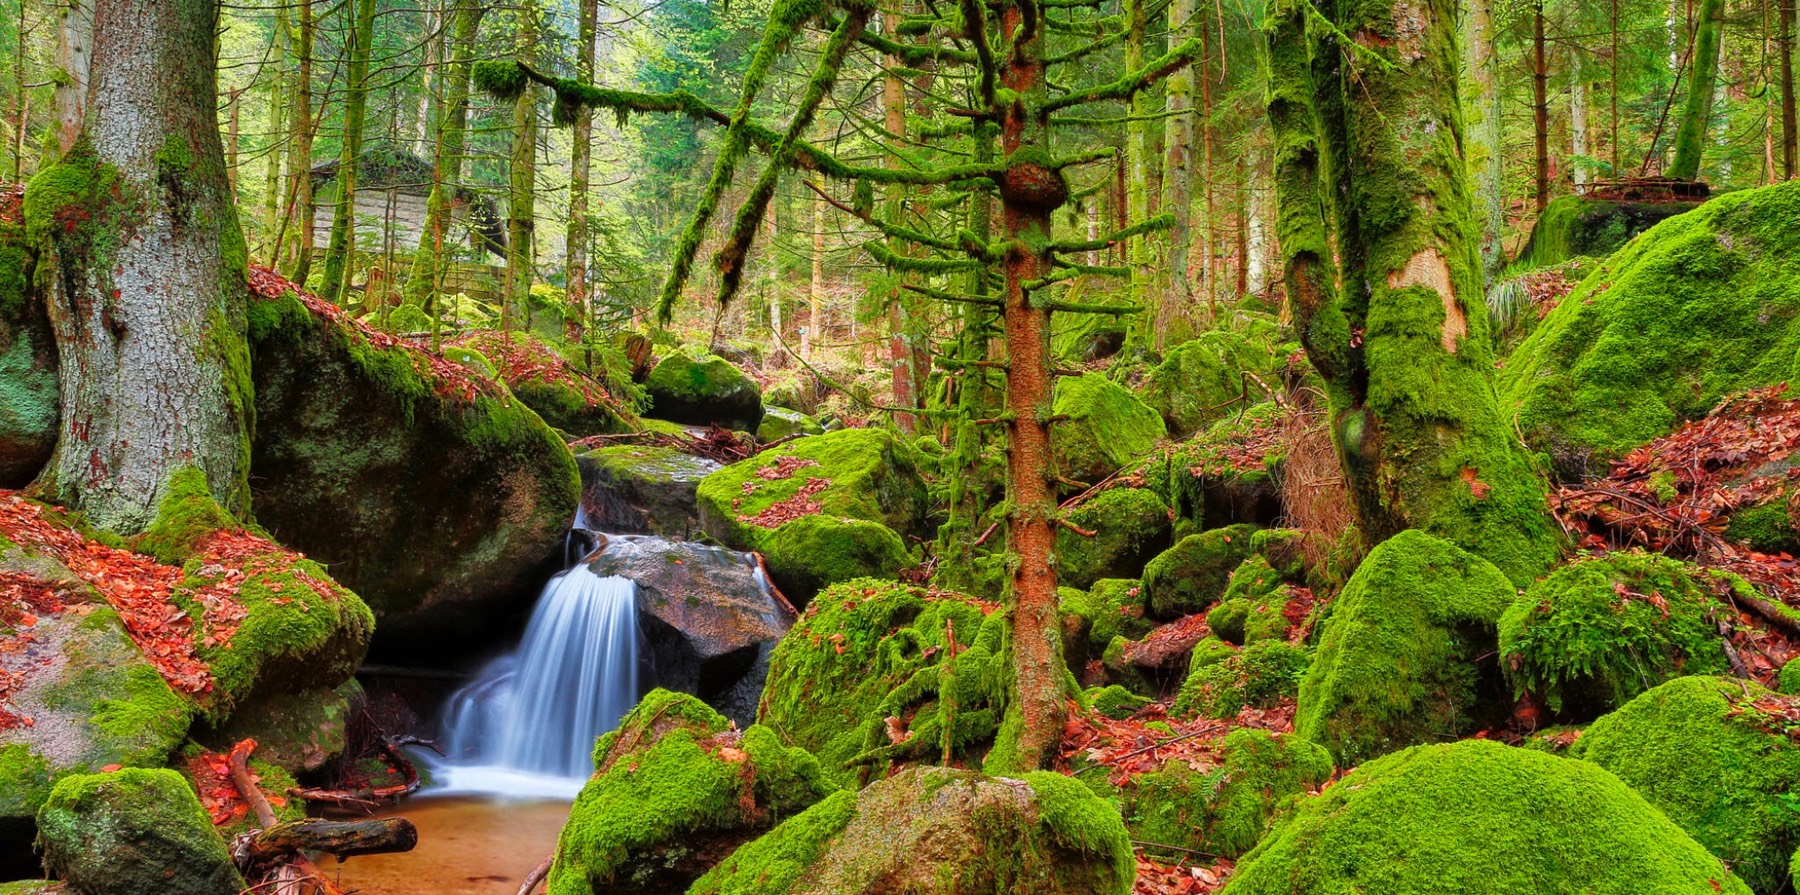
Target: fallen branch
x=377, y=794
x=536, y=877
x=343, y=839
x=287, y=876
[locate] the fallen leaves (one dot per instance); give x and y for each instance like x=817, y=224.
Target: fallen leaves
x=788, y=509
x=1156, y=878
x=532, y=362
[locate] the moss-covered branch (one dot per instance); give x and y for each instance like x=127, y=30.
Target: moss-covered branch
x=1161, y=67
x=1152, y=225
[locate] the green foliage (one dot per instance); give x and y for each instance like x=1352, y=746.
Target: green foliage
x=1700, y=306
x=1599, y=631
x=1700, y=750
x=778, y=860
x=1406, y=654
x=1479, y=818
x=1221, y=684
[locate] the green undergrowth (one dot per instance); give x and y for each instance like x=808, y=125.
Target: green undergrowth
x=1223, y=680
x=1129, y=526
x=1222, y=809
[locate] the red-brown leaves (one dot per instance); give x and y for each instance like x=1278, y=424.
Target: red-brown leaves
x=532, y=362
x=12, y=203
x=1156, y=878
x=788, y=509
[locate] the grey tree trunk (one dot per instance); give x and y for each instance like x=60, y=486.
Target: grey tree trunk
x=147, y=296
x=1178, y=184
x=74, y=50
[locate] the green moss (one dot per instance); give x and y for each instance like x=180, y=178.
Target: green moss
x=25, y=779
x=187, y=514
x=32, y=887
x=870, y=475
x=1082, y=823
x=1765, y=529
x=1788, y=681
x=1406, y=655
x=1223, y=810
x=1202, y=381
x=1700, y=306
x=1479, y=818
x=814, y=552
x=664, y=780
x=691, y=386
x=1259, y=676
x=1227, y=619
x=1577, y=226
x=134, y=830
x=1193, y=574
x=1099, y=427
x=1130, y=526
x=780, y=422
x=1115, y=702
x=778, y=860
x=1597, y=632
x=1723, y=770
x=1251, y=608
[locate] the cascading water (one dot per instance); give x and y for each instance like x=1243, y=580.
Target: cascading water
x=527, y=723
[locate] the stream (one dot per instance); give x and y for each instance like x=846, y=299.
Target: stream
x=468, y=845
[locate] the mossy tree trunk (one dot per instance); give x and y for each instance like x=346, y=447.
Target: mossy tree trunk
x=1137, y=184
x=446, y=172
x=1540, y=107
x=900, y=347
x=1400, y=333
x=1696, y=113
x=580, y=169
x=1178, y=178
x=340, y=253
x=1784, y=49
x=145, y=274
x=300, y=207
x=521, y=196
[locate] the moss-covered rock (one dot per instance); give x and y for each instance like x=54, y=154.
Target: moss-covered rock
x=1599, y=631
x=296, y=731
x=437, y=496
x=1766, y=528
x=1227, y=474
x=693, y=387
x=1479, y=818
x=1201, y=381
x=1092, y=619
x=1223, y=809
x=674, y=790
x=780, y=422
x=1406, y=656
x=812, y=553
x=1100, y=427
x=1715, y=756
x=1223, y=681
x=134, y=832
x=1577, y=226
x=1130, y=526
x=854, y=473
x=28, y=386
x=1115, y=702
x=562, y=395
x=868, y=650
x=642, y=489
x=1700, y=306
x=1192, y=575
x=940, y=831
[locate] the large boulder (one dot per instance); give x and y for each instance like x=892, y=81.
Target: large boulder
x=562, y=395
x=1406, y=656
x=642, y=489
x=1479, y=818
x=1203, y=380
x=1193, y=575
x=1100, y=427
x=1700, y=306
x=780, y=422
x=709, y=617
x=1222, y=807
x=940, y=831
x=866, y=651
x=1121, y=530
x=1223, y=680
x=675, y=789
x=693, y=387
x=1599, y=631
x=1577, y=226
x=1716, y=756
x=853, y=473
x=435, y=494
x=28, y=386
x=1228, y=474
x=134, y=832
x=811, y=553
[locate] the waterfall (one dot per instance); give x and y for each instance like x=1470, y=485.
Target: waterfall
x=536, y=712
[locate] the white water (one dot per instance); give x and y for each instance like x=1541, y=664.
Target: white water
x=526, y=725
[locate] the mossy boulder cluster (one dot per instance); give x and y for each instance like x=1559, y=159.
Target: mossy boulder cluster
x=134, y=832
x=675, y=789
x=940, y=831
x=1222, y=680
x=1698, y=307
x=436, y=495
x=1129, y=526
x=696, y=388
x=1204, y=380
x=544, y=381
x=1100, y=427
x=1228, y=473
x=1580, y=227
x=1224, y=809
x=1406, y=656
x=1192, y=575
x=1479, y=818
x=29, y=391
x=642, y=489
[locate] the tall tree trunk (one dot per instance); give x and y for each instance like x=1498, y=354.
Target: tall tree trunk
x=815, y=295
x=1209, y=283
x=1540, y=104
x=147, y=294
x=1784, y=45
x=1137, y=184
x=580, y=167
x=1178, y=182
x=1690, y=138
x=74, y=58
x=1490, y=177
x=1578, y=125
x=301, y=207
x=272, y=184
x=900, y=349
x=1030, y=193
x=521, y=197
x=446, y=172
x=1415, y=418
x=340, y=255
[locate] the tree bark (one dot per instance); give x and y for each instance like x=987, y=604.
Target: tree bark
x=1137, y=185
x=74, y=56
x=1490, y=177
x=1178, y=183
x=300, y=187
x=340, y=254
x=452, y=135
x=521, y=197
x=1578, y=126
x=1690, y=138
x=1540, y=104
x=1784, y=46
x=147, y=294
x=580, y=168
x=900, y=349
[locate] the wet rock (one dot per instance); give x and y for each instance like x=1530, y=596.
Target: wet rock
x=707, y=612
x=642, y=489
x=941, y=831
x=134, y=832
x=693, y=387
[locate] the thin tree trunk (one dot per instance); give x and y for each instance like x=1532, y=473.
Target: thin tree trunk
x=1178, y=177
x=74, y=57
x=1209, y=284
x=815, y=296
x=1140, y=290
x=1540, y=104
x=521, y=202
x=1690, y=138
x=580, y=168
x=452, y=134
x=1789, y=120
x=340, y=255
x=900, y=349
x=147, y=297
x=1490, y=176
x=301, y=207
x=272, y=183
x=1578, y=124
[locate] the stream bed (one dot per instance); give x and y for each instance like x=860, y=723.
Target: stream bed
x=468, y=845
